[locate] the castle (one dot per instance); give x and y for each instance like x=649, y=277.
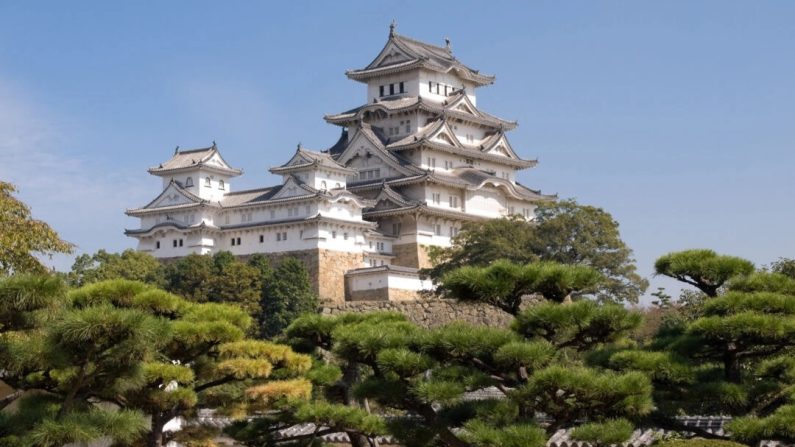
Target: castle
x=413, y=163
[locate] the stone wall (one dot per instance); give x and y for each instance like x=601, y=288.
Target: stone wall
x=411, y=255
x=326, y=269
x=429, y=313
x=382, y=294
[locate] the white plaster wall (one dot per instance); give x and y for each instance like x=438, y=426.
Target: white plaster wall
x=393, y=280
x=410, y=80
x=485, y=202
x=443, y=78
x=212, y=193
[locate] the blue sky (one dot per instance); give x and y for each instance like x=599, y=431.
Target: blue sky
x=677, y=117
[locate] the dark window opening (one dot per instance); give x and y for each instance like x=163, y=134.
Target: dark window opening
x=391, y=89
x=157, y=244
x=402, y=88
x=261, y=238
x=175, y=242
x=233, y=241
x=180, y=242
x=238, y=241
x=430, y=86
x=381, y=91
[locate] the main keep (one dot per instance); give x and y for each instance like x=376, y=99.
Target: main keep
x=413, y=163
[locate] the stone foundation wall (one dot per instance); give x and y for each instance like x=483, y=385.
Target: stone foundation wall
x=429, y=313
x=326, y=269
x=382, y=294
x=411, y=255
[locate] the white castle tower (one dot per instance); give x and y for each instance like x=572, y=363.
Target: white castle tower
x=414, y=163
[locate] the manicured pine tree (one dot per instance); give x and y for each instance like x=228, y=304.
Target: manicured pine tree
x=206, y=360
x=734, y=357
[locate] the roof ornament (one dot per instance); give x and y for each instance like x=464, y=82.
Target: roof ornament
x=299, y=146
x=176, y=150
x=447, y=44
x=392, y=27
x=214, y=146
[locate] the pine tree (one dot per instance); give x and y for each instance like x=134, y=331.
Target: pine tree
x=733, y=357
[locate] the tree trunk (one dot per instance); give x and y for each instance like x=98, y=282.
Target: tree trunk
x=155, y=437
x=731, y=364
x=349, y=376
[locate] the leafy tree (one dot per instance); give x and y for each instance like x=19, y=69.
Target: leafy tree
x=22, y=237
x=503, y=283
x=220, y=278
x=286, y=295
x=564, y=232
x=784, y=266
x=703, y=269
x=129, y=264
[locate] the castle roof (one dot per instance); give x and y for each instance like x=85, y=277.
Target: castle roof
x=304, y=159
x=401, y=53
x=466, y=178
x=208, y=158
x=458, y=106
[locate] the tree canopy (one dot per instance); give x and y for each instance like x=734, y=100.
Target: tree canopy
x=152, y=354
x=564, y=232
x=22, y=237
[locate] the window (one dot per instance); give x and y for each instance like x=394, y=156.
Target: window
x=221, y=185
x=527, y=213
x=284, y=235
x=157, y=245
x=469, y=161
x=175, y=242
x=308, y=209
x=345, y=236
x=180, y=242
x=448, y=164
x=408, y=127
x=437, y=230
x=391, y=89
x=431, y=162
x=437, y=198
x=396, y=229
x=402, y=89
x=233, y=242
x=381, y=90
x=437, y=88
x=278, y=237
x=323, y=185
x=445, y=90
x=453, y=231
x=281, y=236
x=380, y=246
x=261, y=238
x=301, y=234
x=273, y=214
x=338, y=185
x=453, y=202
x=370, y=174
x=189, y=182
x=333, y=234
x=207, y=182
x=512, y=210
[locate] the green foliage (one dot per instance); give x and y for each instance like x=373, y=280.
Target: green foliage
x=784, y=266
x=24, y=297
x=779, y=426
x=129, y=264
x=22, y=237
x=563, y=232
x=611, y=431
x=524, y=435
x=581, y=325
x=148, y=351
x=286, y=294
x=503, y=283
x=703, y=269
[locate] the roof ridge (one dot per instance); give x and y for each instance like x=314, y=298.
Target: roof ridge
x=426, y=44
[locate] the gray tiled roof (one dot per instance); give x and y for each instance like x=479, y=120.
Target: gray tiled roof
x=304, y=158
x=410, y=103
x=421, y=54
x=192, y=159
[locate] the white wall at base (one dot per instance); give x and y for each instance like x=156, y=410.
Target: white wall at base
x=384, y=278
